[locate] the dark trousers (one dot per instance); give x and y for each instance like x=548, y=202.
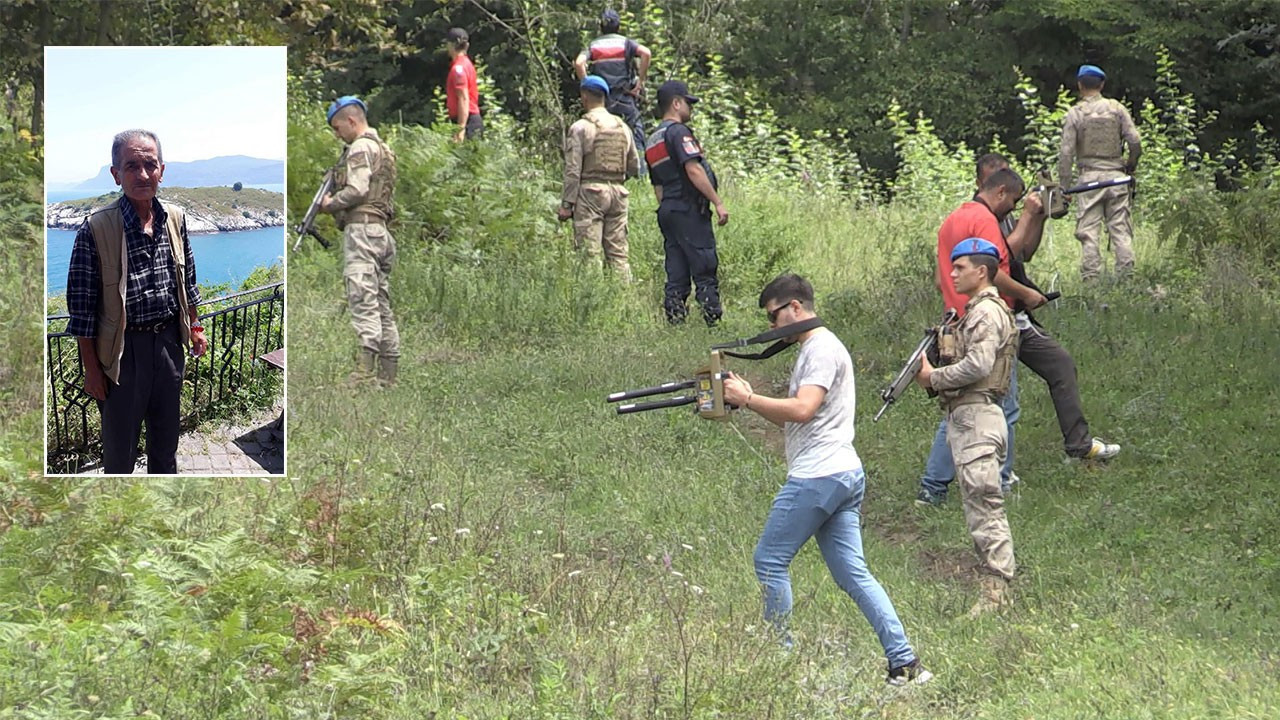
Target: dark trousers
x=690, y=247
x=474, y=127
x=149, y=391
x=1046, y=358
x=624, y=106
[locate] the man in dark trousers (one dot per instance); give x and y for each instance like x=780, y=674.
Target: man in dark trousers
x=624, y=65
x=132, y=297
x=462, y=96
x=1037, y=349
x=686, y=190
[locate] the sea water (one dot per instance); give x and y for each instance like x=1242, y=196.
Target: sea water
x=220, y=257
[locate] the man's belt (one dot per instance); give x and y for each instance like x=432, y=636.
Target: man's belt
x=153, y=327
x=774, y=349
x=971, y=398
x=601, y=179
x=364, y=216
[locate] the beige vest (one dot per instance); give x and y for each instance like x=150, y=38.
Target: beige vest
x=996, y=383
x=382, y=181
x=107, y=226
x=604, y=157
x=1099, y=130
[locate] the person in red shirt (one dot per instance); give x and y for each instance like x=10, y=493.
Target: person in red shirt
x=980, y=218
x=998, y=195
x=462, y=99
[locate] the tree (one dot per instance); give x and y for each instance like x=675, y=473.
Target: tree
x=237, y=187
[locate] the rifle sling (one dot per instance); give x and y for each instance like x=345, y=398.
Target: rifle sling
x=774, y=349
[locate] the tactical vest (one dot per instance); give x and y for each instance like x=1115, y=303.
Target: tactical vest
x=610, y=56
x=107, y=226
x=606, y=159
x=1098, y=134
x=671, y=175
x=996, y=383
x=382, y=182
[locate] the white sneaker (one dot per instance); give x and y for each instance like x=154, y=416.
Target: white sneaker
x=1102, y=450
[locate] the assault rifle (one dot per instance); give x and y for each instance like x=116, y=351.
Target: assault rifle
x=307, y=226
x=1053, y=196
x=907, y=374
x=708, y=382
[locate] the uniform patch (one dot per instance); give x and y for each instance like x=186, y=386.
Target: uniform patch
x=458, y=69
x=358, y=159
x=690, y=147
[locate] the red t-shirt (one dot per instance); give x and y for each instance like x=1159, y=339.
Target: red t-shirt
x=462, y=76
x=972, y=219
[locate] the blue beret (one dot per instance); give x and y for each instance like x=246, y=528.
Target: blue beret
x=342, y=102
x=974, y=246
x=1091, y=71
x=596, y=83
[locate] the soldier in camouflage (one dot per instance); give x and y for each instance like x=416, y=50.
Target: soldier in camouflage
x=1095, y=135
x=599, y=154
x=972, y=379
x=364, y=183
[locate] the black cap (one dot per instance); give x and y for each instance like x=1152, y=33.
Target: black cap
x=457, y=36
x=610, y=18
x=674, y=88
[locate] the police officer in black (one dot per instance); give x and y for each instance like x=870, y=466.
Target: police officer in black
x=624, y=64
x=686, y=189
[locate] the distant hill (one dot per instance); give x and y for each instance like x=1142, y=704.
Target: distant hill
x=225, y=170
x=208, y=209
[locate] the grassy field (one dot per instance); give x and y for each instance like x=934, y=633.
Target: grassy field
x=488, y=540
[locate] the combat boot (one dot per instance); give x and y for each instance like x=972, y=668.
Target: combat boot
x=366, y=361
x=387, y=370
x=993, y=595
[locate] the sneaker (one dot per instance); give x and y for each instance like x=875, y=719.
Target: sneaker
x=1102, y=450
x=1013, y=478
x=928, y=499
x=912, y=673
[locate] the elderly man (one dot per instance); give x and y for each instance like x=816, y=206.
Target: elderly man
x=599, y=155
x=361, y=203
x=1095, y=133
x=132, y=297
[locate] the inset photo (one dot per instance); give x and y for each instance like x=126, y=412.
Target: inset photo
x=164, y=260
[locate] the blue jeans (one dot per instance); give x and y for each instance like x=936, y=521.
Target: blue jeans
x=828, y=508
x=939, y=470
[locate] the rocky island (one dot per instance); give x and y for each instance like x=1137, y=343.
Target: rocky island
x=208, y=209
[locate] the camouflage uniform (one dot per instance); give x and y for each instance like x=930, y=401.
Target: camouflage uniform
x=365, y=181
x=1095, y=130
x=599, y=155
x=970, y=389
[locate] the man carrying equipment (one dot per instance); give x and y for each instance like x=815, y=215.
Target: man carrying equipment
x=970, y=385
x=1094, y=136
x=361, y=204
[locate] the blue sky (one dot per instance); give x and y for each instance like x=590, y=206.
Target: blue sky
x=202, y=102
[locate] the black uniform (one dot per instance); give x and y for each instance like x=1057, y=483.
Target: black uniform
x=684, y=216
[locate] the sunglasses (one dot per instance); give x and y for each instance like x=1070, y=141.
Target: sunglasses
x=773, y=314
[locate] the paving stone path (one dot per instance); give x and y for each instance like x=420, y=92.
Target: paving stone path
x=253, y=446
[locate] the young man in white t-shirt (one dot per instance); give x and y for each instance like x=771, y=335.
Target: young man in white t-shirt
x=822, y=497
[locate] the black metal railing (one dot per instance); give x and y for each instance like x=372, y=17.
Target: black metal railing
x=240, y=329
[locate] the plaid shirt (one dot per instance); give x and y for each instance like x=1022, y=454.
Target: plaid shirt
x=149, y=292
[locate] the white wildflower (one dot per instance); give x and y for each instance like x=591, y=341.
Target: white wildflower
x=462, y=532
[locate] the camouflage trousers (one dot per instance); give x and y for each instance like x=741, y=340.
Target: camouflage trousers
x=977, y=435
x=369, y=254
x=600, y=225
x=1109, y=206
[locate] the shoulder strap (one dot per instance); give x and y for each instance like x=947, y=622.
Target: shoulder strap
x=764, y=337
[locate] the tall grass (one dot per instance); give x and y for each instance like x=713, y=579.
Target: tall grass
x=488, y=540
